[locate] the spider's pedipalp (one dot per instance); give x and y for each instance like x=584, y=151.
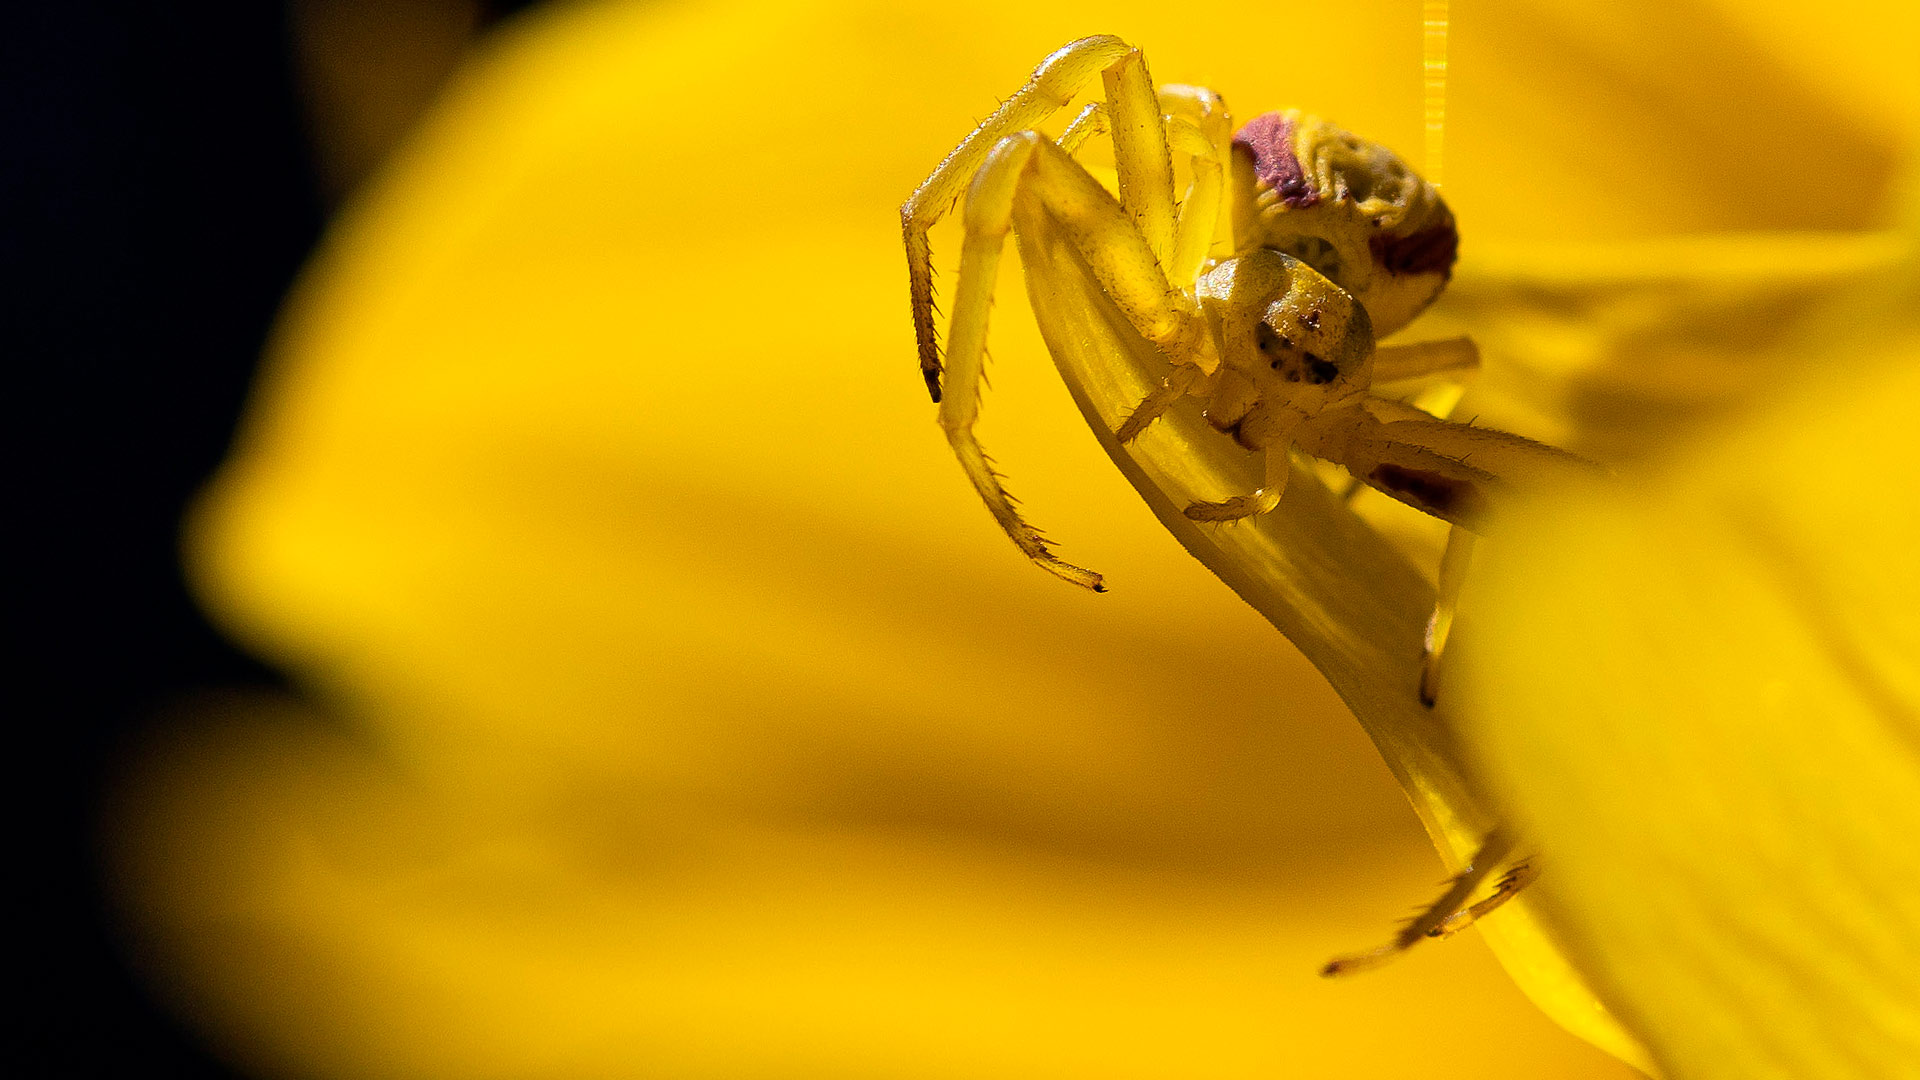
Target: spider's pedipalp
x=1175, y=386
x=1262, y=501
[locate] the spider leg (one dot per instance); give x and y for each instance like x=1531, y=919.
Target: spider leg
x=1508, y=886
x=1027, y=177
x=1198, y=128
x=1140, y=151
x=1514, y=462
x=1091, y=121
x=1140, y=157
x=1261, y=501
x=1416, y=360
x=1393, y=363
x=1453, y=912
x=1454, y=561
x=1448, y=470
x=1174, y=387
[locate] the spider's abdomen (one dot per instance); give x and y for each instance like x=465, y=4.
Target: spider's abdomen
x=1349, y=208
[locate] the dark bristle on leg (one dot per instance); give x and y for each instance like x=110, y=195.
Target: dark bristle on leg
x=1454, y=911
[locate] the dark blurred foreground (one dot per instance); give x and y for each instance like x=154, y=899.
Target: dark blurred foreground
x=167, y=170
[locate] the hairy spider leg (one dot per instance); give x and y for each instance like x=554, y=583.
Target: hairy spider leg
x=1454, y=562
x=1200, y=130
x=1419, y=359
x=1424, y=462
x=1026, y=175
x=1444, y=469
x=1415, y=360
x=1518, y=876
x=1140, y=152
x=1453, y=912
x=1178, y=383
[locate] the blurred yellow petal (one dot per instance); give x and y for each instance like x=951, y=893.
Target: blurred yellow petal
x=682, y=713
x=1610, y=350
x=1704, y=704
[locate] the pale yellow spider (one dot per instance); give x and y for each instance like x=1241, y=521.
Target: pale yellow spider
x=1334, y=241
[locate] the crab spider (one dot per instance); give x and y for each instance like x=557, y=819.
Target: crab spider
x=1335, y=241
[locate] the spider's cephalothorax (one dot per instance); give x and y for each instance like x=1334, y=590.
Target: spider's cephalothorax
x=1333, y=240
x=1289, y=344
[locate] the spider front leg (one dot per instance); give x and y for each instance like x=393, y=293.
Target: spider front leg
x=1029, y=183
x=1132, y=114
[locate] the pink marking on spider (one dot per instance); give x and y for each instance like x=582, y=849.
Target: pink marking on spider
x=1269, y=138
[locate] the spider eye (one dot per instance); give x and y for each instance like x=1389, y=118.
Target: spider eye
x=1320, y=370
x=1272, y=343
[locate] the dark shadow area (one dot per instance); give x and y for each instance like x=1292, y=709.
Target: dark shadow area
x=159, y=196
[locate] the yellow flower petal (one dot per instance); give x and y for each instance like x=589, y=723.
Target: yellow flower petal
x=684, y=714
x=1705, y=705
